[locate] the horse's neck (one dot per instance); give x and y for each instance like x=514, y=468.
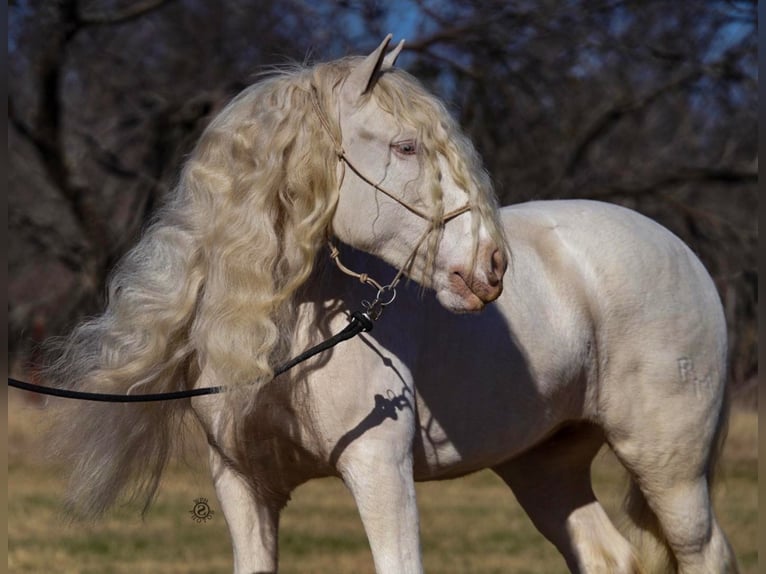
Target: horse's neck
x=328, y=284
x=330, y=295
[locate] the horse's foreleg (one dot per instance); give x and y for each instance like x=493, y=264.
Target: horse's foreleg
x=384, y=491
x=253, y=523
x=252, y=520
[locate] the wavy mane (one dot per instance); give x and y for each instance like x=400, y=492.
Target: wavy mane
x=211, y=283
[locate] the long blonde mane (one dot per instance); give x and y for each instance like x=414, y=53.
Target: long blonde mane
x=210, y=286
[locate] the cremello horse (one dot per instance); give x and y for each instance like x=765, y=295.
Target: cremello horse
x=608, y=331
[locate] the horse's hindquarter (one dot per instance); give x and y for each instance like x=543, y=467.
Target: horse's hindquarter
x=660, y=332
x=602, y=313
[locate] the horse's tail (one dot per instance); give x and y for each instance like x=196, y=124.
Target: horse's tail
x=641, y=526
x=139, y=345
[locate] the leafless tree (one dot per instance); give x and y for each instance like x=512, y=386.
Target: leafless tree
x=651, y=104
x=105, y=98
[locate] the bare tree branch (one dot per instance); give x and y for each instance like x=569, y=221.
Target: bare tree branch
x=135, y=11
x=618, y=111
x=720, y=176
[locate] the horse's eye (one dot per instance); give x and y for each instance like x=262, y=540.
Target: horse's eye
x=405, y=148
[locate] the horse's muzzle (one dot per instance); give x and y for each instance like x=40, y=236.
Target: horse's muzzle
x=481, y=285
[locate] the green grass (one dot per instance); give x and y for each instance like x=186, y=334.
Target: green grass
x=469, y=525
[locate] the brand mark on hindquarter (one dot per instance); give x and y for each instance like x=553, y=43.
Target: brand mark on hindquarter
x=688, y=375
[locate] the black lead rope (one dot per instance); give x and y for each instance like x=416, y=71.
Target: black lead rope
x=358, y=323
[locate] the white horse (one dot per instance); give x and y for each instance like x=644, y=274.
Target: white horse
x=608, y=331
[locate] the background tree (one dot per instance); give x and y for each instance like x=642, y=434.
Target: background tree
x=652, y=105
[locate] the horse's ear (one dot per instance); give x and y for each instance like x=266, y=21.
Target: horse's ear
x=390, y=59
x=363, y=75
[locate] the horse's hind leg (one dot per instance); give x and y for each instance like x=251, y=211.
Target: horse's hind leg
x=671, y=502
x=669, y=443
x=552, y=483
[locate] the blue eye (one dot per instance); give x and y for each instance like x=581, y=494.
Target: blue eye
x=405, y=148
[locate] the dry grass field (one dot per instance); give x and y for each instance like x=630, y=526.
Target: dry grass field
x=471, y=525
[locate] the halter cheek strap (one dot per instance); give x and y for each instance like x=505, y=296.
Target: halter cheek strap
x=386, y=293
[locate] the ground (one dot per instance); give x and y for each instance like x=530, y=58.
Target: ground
x=472, y=525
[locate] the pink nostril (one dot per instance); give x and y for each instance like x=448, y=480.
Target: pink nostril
x=497, y=267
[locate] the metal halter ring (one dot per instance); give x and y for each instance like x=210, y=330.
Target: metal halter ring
x=379, y=297
x=375, y=308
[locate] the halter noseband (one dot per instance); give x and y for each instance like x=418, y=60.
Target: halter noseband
x=386, y=293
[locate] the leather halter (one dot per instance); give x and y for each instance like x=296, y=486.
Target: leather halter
x=386, y=293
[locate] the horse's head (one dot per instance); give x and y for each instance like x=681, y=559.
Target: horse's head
x=405, y=168
x=352, y=148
